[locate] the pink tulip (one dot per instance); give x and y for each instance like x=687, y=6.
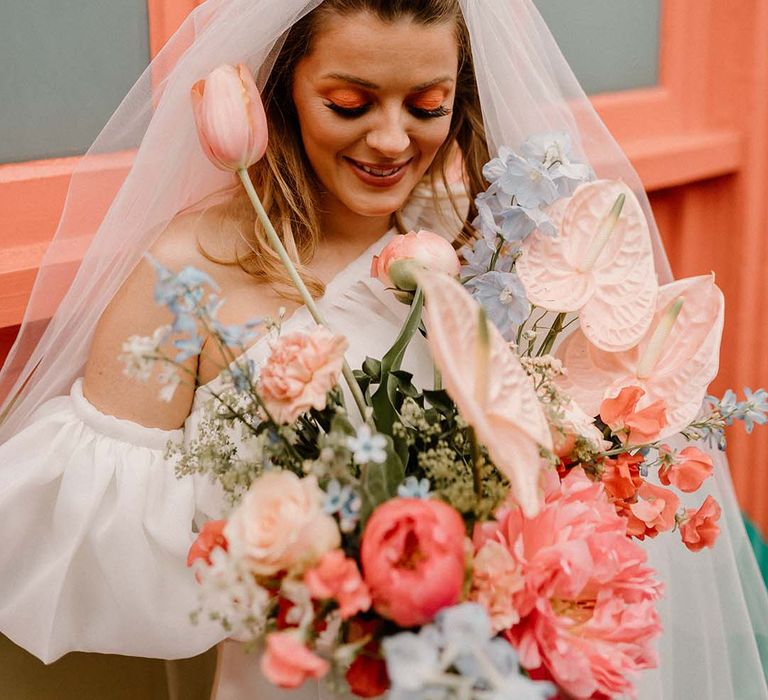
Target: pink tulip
x=396, y=263
x=230, y=119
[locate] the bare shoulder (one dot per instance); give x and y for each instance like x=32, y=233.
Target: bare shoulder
x=134, y=312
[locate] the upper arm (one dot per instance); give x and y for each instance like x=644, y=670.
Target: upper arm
x=133, y=311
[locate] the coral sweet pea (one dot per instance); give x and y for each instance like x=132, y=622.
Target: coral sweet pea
x=230, y=119
x=687, y=470
x=700, y=528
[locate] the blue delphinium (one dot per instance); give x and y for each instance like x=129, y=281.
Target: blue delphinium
x=345, y=501
x=457, y=652
x=502, y=295
x=754, y=408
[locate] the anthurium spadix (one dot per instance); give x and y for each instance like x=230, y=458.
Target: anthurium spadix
x=675, y=360
x=485, y=379
x=600, y=264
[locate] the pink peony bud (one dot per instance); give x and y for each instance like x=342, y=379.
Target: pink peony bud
x=700, y=528
x=403, y=255
x=230, y=119
x=413, y=559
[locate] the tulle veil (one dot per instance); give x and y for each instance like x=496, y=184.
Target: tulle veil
x=145, y=167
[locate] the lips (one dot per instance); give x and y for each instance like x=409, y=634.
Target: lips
x=378, y=174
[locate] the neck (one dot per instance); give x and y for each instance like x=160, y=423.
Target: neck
x=341, y=225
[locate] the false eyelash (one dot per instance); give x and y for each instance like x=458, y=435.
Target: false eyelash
x=440, y=111
x=348, y=112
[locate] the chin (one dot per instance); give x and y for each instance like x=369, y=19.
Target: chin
x=377, y=205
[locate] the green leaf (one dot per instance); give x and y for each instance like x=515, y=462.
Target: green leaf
x=379, y=482
x=440, y=400
x=341, y=424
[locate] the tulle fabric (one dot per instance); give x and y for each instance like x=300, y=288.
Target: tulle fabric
x=716, y=605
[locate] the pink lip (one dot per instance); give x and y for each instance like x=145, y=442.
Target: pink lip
x=375, y=180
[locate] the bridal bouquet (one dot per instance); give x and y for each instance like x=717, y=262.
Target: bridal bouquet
x=476, y=538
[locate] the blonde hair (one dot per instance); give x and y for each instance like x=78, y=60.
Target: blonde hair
x=284, y=177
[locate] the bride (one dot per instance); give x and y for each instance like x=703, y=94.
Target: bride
x=381, y=114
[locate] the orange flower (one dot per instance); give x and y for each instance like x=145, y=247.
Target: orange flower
x=210, y=537
x=621, y=476
x=230, y=119
x=620, y=415
x=687, y=470
x=653, y=513
x=700, y=528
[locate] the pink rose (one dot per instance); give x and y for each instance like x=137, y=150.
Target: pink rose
x=287, y=663
x=230, y=119
x=413, y=559
x=336, y=577
x=396, y=263
x=654, y=511
x=301, y=370
x=620, y=414
x=687, y=470
x=700, y=528
x=280, y=524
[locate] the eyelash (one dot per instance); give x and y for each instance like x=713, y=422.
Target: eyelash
x=354, y=112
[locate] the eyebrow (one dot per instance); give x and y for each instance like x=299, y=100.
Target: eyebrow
x=372, y=86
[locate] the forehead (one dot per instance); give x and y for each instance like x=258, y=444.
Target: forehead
x=392, y=55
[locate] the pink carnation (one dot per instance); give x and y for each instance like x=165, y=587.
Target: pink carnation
x=287, y=663
x=586, y=606
x=413, y=559
x=336, y=577
x=301, y=370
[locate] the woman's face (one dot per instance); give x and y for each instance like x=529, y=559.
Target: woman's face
x=374, y=101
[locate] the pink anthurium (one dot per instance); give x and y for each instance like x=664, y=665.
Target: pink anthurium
x=230, y=119
x=600, y=264
x=674, y=361
x=488, y=384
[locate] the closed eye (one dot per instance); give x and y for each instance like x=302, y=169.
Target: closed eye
x=348, y=112
x=421, y=113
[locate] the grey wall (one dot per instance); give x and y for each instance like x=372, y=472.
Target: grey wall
x=66, y=64
x=610, y=44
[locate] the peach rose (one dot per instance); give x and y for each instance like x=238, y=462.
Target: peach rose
x=301, y=370
x=395, y=264
x=336, y=577
x=687, y=470
x=280, y=524
x=287, y=663
x=620, y=414
x=700, y=528
x=413, y=559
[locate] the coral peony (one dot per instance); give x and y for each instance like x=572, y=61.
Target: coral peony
x=210, y=537
x=620, y=414
x=700, y=528
x=586, y=606
x=687, y=470
x=280, y=524
x=412, y=553
x=395, y=264
x=287, y=663
x=230, y=119
x=300, y=371
x=336, y=577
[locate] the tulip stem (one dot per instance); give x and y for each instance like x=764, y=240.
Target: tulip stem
x=293, y=273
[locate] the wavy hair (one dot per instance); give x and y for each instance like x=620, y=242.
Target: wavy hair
x=284, y=177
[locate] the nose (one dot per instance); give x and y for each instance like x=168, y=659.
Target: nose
x=388, y=136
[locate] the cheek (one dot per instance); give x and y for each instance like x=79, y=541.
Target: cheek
x=325, y=135
x=432, y=136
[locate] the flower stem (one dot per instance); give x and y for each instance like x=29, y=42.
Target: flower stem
x=309, y=302
x=554, y=331
x=476, y=480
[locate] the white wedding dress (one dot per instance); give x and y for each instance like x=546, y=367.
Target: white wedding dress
x=96, y=531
